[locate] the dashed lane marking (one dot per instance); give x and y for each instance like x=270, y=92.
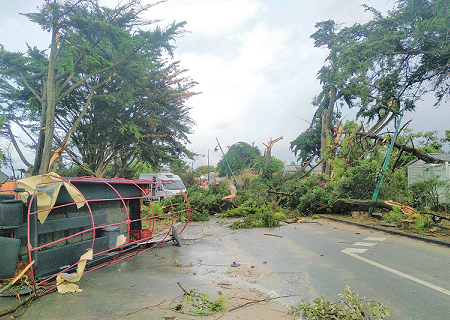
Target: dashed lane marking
x=365, y=244
x=374, y=239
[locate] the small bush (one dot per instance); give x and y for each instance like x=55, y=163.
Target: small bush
x=426, y=193
x=422, y=223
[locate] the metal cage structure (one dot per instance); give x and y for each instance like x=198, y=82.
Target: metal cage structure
x=109, y=217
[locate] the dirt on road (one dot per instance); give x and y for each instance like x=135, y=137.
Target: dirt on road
x=150, y=285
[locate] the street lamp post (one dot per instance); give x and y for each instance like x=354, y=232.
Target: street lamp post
x=193, y=160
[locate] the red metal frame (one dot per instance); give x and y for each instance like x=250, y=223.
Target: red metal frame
x=146, y=237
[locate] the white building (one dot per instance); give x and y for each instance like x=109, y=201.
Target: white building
x=419, y=170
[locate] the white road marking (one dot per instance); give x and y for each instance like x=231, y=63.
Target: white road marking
x=365, y=244
x=353, y=253
x=374, y=239
x=353, y=250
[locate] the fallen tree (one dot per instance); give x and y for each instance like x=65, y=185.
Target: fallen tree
x=416, y=152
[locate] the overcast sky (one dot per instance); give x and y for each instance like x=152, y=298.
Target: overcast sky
x=253, y=59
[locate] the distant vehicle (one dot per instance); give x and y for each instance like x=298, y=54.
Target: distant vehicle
x=166, y=185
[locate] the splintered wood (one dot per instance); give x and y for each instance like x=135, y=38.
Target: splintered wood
x=404, y=209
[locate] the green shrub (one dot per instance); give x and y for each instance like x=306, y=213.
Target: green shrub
x=422, y=223
x=426, y=193
x=157, y=208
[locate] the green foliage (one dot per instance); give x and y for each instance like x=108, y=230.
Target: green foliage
x=307, y=145
x=307, y=193
x=394, y=57
x=204, y=169
x=156, y=209
x=249, y=207
x=143, y=167
x=268, y=170
x=203, y=202
x=100, y=68
x=422, y=223
x=132, y=127
x=426, y=193
x=350, y=307
x=394, y=216
x=427, y=142
x=203, y=304
x=394, y=187
x=75, y=171
x=359, y=181
x=240, y=156
x=261, y=219
x=359, y=173
x=256, y=213
x=182, y=169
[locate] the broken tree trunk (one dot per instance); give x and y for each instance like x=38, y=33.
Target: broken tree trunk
x=268, y=151
x=360, y=204
x=342, y=206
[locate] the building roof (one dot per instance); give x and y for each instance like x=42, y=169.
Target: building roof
x=441, y=156
x=291, y=168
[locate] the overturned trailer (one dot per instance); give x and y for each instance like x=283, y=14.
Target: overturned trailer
x=54, y=221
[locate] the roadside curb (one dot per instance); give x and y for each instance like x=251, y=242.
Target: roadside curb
x=399, y=233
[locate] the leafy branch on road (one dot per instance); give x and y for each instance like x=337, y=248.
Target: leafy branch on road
x=349, y=307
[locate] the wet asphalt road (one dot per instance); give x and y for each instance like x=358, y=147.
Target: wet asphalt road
x=296, y=261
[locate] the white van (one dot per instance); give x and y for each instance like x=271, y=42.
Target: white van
x=166, y=184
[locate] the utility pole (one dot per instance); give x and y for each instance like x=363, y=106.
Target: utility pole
x=386, y=159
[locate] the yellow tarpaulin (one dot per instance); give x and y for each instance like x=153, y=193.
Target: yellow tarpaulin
x=47, y=189
x=65, y=281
